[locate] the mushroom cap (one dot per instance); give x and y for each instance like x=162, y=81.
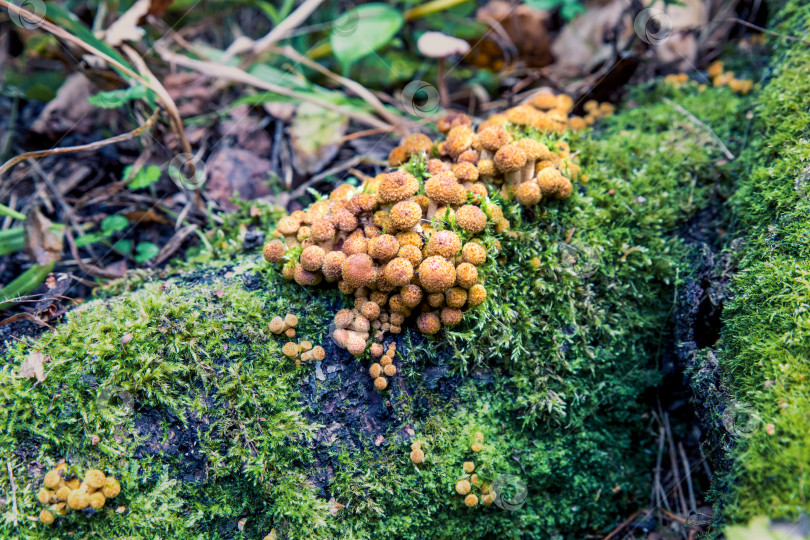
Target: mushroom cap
x=95, y=478
x=322, y=230
x=468, y=156
x=486, y=167
x=474, y=253
x=380, y=383
x=494, y=137
x=274, y=251
x=399, y=272
x=451, y=316
x=428, y=323
x=405, y=214
x=471, y=218
x=455, y=297
x=435, y=166
x=409, y=239
x=370, y=310
x=451, y=120
x=466, y=275
x=478, y=191
x=362, y=202
x=534, y=149
x=355, y=344
x=355, y=243
x=411, y=295
x=305, y=277
x=47, y=517
x=444, y=243
x=471, y=500
x=416, y=143
x=510, y=158
x=397, y=186
x=476, y=295
x=549, y=181
x=383, y=248
x=343, y=318
x=544, y=100
x=465, y=172
x=564, y=103
x=290, y=349
x=459, y=139
x=463, y=487
x=358, y=270
x=288, y=225
x=411, y=253
x=443, y=188
x=437, y=274
x=528, y=193
x=78, y=499
x=435, y=300
x=344, y=220
x=522, y=115
x=397, y=156
x=332, y=266
x=565, y=190
x=312, y=258
x=112, y=488
x=439, y=45
x=417, y=456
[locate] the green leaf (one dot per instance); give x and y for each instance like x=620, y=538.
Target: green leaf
x=88, y=239
x=362, y=30
x=115, y=98
x=112, y=224
x=124, y=247
x=571, y=9
x=146, y=251
x=144, y=177
x=6, y=211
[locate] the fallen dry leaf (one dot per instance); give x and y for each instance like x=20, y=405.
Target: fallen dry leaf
x=126, y=338
x=236, y=170
x=126, y=28
x=514, y=31
x=42, y=245
x=315, y=137
x=69, y=110
x=94, y=439
x=334, y=506
x=32, y=366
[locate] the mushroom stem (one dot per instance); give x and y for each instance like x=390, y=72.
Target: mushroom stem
x=443, y=95
x=514, y=178
x=527, y=173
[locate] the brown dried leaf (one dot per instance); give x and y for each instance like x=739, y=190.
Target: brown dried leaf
x=41, y=244
x=32, y=366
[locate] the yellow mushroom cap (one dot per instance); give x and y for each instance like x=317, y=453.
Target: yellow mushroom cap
x=476, y=295
x=494, y=137
x=397, y=186
x=44, y=496
x=370, y=310
x=375, y=370
x=318, y=353
x=465, y=172
x=78, y=499
x=112, y=488
x=399, y=272
x=454, y=119
x=390, y=370
x=288, y=225
x=444, y=243
x=358, y=270
x=428, y=323
x=417, y=143
x=471, y=500
x=274, y=251
x=411, y=295
x=312, y=258
x=463, y=487
x=486, y=167
x=528, y=193
x=450, y=316
x=455, y=297
x=471, y=218
x=443, y=189
x=95, y=479
x=544, y=100
x=383, y=247
x=305, y=277
x=469, y=467
x=46, y=517
x=417, y=456
x=62, y=493
x=412, y=253
x=510, y=158
x=362, y=202
x=322, y=230
x=405, y=214
x=436, y=274
x=467, y=275
x=97, y=500
x=534, y=149
x=474, y=253
x=52, y=479
x=476, y=447
x=397, y=156
x=380, y=383
x=290, y=349
x=332, y=266
x=459, y=139
x=409, y=239
x=355, y=243
x=521, y=115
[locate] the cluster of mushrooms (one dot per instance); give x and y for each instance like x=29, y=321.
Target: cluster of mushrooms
x=413, y=242
x=61, y=492
x=470, y=481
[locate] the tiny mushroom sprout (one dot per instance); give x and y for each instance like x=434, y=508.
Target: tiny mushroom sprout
x=441, y=46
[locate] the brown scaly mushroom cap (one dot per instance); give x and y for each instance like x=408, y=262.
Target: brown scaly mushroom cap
x=459, y=139
x=397, y=186
x=428, y=323
x=358, y=270
x=444, y=243
x=452, y=120
x=471, y=218
x=443, y=189
x=493, y=138
x=417, y=143
x=510, y=160
x=437, y=274
x=405, y=214
x=465, y=172
x=332, y=267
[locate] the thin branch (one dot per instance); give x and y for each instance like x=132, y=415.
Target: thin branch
x=80, y=148
x=13, y=493
x=706, y=129
x=766, y=31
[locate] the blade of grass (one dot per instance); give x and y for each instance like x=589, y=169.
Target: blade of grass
x=23, y=284
x=6, y=211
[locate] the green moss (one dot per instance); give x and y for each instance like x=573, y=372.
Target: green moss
x=766, y=339
x=550, y=369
